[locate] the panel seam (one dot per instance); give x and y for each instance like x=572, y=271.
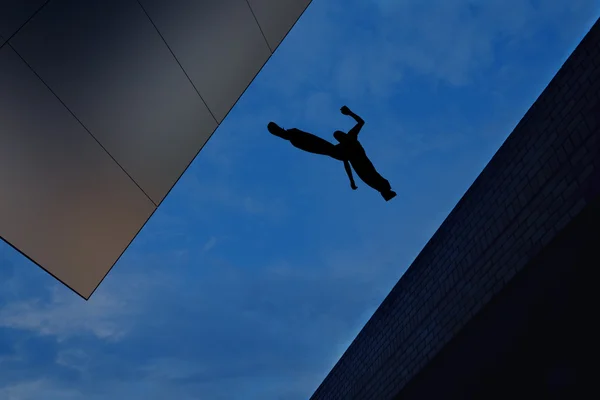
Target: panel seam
x=24, y=23
x=82, y=124
x=177, y=60
x=259, y=27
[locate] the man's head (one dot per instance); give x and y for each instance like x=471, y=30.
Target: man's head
x=340, y=136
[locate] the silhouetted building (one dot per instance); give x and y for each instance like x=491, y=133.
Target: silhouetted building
x=501, y=301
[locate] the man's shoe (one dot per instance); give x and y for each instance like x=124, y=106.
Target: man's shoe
x=277, y=130
x=388, y=195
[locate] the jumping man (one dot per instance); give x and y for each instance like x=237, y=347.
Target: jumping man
x=349, y=151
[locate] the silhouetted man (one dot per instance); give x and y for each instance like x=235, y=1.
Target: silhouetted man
x=349, y=151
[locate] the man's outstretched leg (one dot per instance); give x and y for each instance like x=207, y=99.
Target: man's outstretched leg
x=303, y=140
x=383, y=186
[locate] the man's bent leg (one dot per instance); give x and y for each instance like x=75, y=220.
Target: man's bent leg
x=369, y=175
x=382, y=184
x=384, y=188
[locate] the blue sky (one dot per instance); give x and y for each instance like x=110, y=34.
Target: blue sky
x=262, y=265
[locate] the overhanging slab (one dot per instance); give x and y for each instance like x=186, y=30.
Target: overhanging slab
x=65, y=204
x=109, y=94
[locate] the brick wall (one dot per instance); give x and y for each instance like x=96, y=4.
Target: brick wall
x=543, y=175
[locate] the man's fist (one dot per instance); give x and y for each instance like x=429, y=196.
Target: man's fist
x=345, y=110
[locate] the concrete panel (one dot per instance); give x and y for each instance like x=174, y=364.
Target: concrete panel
x=106, y=61
x=276, y=17
x=218, y=43
x=65, y=203
x=116, y=94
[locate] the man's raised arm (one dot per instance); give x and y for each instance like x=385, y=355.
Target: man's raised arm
x=359, y=121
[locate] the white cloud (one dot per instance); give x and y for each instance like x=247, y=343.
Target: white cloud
x=210, y=192
x=246, y=323
x=109, y=315
x=455, y=40
x=209, y=244
x=38, y=389
x=172, y=368
x=449, y=40
x=74, y=358
x=66, y=315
